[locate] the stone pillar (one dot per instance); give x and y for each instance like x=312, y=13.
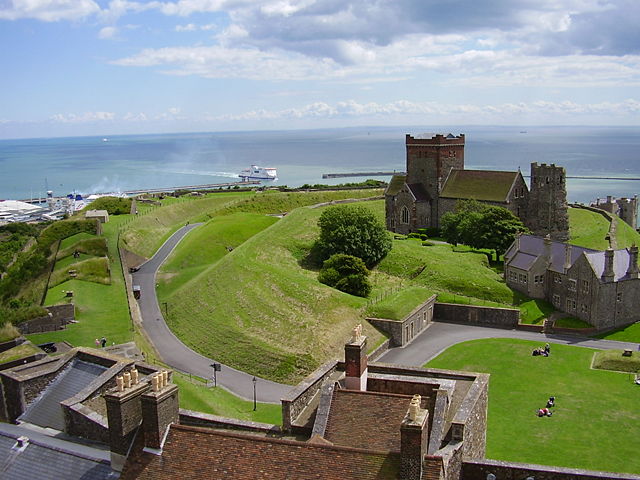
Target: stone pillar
x=608, y=274
x=632, y=269
x=355, y=359
x=159, y=410
x=414, y=438
x=124, y=414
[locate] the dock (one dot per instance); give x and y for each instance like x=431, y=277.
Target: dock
x=206, y=186
x=361, y=174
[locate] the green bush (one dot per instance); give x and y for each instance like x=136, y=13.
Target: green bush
x=353, y=230
x=347, y=274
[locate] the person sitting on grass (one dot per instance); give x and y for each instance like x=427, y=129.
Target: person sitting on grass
x=551, y=402
x=544, y=412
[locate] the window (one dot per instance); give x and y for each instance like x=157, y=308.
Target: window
x=557, y=278
x=573, y=284
x=585, y=286
x=556, y=300
x=619, y=297
x=584, y=308
x=571, y=304
x=405, y=215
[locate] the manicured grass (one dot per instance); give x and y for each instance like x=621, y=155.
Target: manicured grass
x=534, y=311
x=20, y=351
x=92, y=269
x=74, y=239
x=588, y=229
x=630, y=333
x=614, y=360
x=626, y=235
x=206, y=245
x=571, y=322
x=400, y=303
x=596, y=421
x=195, y=395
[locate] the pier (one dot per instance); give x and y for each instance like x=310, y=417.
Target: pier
x=361, y=174
x=206, y=186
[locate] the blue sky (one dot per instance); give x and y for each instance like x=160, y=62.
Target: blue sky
x=91, y=67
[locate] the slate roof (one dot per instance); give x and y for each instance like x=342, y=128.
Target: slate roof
x=366, y=419
x=46, y=411
x=532, y=247
x=395, y=184
x=194, y=453
x=620, y=263
x=487, y=185
x=49, y=458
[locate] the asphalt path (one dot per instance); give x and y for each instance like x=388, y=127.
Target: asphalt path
x=439, y=336
x=175, y=353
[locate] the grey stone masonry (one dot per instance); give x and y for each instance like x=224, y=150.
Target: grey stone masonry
x=548, y=209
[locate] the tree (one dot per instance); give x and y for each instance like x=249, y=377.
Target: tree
x=481, y=226
x=352, y=230
x=347, y=274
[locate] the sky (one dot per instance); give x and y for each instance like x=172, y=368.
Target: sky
x=91, y=67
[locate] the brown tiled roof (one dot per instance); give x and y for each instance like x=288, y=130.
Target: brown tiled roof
x=366, y=419
x=485, y=185
x=193, y=453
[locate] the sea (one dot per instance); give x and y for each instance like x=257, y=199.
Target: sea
x=115, y=163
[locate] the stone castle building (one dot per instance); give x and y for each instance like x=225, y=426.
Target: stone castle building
x=600, y=287
x=436, y=179
x=625, y=208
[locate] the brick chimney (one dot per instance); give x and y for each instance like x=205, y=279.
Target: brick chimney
x=607, y=274
x=414, y=438
x=124, y=414
x=632, y=269
x=159, y=410
x=355, y=359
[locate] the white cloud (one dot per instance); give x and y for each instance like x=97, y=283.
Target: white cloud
x=192, y=27
x=135, y=117
x=48, y=10
x=107, y=32
x=86, y=117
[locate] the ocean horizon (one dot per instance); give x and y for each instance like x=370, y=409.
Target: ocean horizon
x=90, y=164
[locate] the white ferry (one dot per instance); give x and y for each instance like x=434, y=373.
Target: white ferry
x=258, y=173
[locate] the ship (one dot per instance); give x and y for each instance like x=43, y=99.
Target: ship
x=258, y=173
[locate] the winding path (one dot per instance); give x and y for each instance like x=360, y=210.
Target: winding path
x=175, y=353
x=428, y=344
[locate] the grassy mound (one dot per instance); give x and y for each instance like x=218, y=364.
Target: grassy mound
x=91, y=269
x=594, y=408
x=614, y=361
x=87, y=244
x=626, y=235
x=400, y=303
x=588, y=229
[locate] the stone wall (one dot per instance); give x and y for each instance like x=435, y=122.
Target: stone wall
x=299, y=397
x=81, y=421
x=405, y=330
x=470, y=422
x=479, y=469
x=477, y=315
x=4, y=346
x=58, y=318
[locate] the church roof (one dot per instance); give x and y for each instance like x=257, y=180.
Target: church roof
x=419, y=192
x=395, y=185
x=487, y=185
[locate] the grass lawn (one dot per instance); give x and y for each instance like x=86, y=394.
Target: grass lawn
x=588, y=229
x=194, y=395
x=400, y=303
x=629, y=333
x=596, y=421
x=626, y=235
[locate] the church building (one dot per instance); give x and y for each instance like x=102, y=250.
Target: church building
x=436, y=180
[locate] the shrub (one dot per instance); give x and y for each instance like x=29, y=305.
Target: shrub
x=353, y=230
x=347, y=274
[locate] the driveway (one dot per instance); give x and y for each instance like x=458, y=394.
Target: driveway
x=439, y=336
x=175, y=353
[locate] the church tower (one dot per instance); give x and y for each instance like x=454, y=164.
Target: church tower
x=430, y=158
x=548, y=211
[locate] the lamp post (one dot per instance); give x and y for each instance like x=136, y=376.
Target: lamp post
x=216, y=368
x=254, y=393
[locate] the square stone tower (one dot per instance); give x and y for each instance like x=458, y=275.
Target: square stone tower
x=548, y=211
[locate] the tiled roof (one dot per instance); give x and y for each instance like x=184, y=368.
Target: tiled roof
x=192, y=453
x=485, y=185
x=46, y=410
x=620, y=263
x=396, y=184
x=48, y=458
x=366, y=419
x=533, y=246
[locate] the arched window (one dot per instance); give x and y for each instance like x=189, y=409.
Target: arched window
x=405, y=215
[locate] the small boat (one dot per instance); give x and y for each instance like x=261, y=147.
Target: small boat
x=258, y=173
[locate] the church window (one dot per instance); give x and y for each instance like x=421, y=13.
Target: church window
x=547, y=179
x=405, y=215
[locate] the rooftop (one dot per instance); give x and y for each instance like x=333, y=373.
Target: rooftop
x=487, y=185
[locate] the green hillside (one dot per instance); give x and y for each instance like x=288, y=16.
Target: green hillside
x=590, y=229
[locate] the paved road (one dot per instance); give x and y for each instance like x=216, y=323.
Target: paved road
x=440, y=336
x=175, y=353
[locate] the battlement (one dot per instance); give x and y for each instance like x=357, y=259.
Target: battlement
x=434, y=139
